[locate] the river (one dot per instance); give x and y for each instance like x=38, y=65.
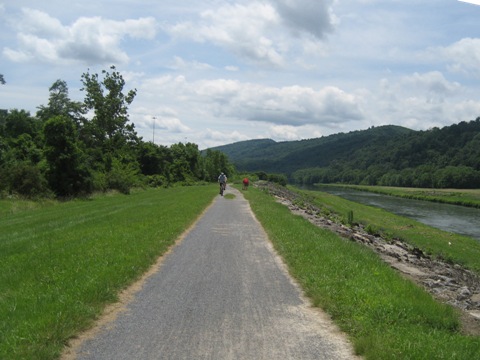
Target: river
x=452, y=218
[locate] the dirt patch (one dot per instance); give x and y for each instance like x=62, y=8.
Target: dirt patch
x=449, y=283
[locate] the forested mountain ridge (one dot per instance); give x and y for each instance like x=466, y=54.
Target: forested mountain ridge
x=385, y=155
x=289, y=156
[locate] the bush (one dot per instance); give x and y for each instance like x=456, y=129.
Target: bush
x=156, y=181
x=26, y=179
x=122, y=177
x=278, y=178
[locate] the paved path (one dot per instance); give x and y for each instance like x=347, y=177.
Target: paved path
x=222, y=293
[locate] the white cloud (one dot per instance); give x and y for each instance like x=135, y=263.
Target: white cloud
x=244, y=30
x=260, y=33
x=291, y=105
x=463, y=56
x=215, y=137
x=433, y=83
x=92, y=40
x=232, y=68
x=229, y=70
x=290, y=133
x=421, y=101
x=181, y=64
x=312, y=16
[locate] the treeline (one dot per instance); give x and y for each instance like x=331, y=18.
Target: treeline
x=437, y=158
x=70, y=148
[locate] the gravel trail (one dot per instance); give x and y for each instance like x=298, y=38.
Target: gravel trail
x=221, y=293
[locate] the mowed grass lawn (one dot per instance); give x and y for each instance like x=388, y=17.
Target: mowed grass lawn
x=61, y=263
x=385, y=316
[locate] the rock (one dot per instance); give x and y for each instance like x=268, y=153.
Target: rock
x=464, y=293
x=475, y=299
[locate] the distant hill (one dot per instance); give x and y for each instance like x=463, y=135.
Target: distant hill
x=288, y=156
x=384, y=155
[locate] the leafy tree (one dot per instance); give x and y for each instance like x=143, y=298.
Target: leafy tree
x=23, y=148
x=154, y=159
x=19, y=122
x=2, y=80
x=110, y=107
x=215, y=162
x=67, y=173
x=186, y=162
x=59, y=103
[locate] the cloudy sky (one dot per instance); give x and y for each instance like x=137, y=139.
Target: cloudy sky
x=215, y=72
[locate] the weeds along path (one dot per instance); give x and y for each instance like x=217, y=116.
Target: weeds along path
x=221, y=293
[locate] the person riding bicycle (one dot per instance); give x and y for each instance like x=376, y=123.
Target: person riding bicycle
x=222, y=180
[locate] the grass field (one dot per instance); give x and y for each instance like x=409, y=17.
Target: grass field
x=61, y=263
x=386, y=316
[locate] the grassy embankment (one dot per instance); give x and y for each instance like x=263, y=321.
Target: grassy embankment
x=386, y=316
x=61, y=263
x=447, y=246
x=463, y=197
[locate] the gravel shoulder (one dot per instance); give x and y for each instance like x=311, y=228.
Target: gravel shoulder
x=221, y=293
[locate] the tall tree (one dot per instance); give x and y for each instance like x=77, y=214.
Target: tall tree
x=110, y=107
x=59, y=103
x=2, y=80
x=67, y=174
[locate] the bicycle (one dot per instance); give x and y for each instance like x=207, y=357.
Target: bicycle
x=223, y=186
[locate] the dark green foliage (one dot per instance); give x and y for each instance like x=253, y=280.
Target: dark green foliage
x=67, y=173
x=110, y=106
x=262, y=175
x=19, y=122
x=122, y=176
x=61, y=151
x=59, y=103
x=214, y=163
x=26, y=179
x=385, y=155
x=154, y=159
x=278, y=178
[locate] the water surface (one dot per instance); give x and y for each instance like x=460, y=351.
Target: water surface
x=452, y=218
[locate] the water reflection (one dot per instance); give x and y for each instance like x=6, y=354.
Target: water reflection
x=456, y=219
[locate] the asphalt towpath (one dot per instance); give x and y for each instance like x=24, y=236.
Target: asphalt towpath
x=221, y=293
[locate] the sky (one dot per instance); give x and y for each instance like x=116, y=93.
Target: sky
x=215, y=72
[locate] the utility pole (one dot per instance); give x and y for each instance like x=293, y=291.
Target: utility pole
x=154, y=118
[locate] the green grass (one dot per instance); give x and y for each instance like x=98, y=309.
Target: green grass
x=463, y=197
x=445, y=245
x=386, y=316
x=61, y=263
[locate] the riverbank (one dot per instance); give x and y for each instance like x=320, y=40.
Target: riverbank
x=447, y=280
x=385, y=315
x=462, y=197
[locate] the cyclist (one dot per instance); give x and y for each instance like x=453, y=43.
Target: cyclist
x=222, y=180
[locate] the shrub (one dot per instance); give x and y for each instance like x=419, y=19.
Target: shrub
x=26, y=179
